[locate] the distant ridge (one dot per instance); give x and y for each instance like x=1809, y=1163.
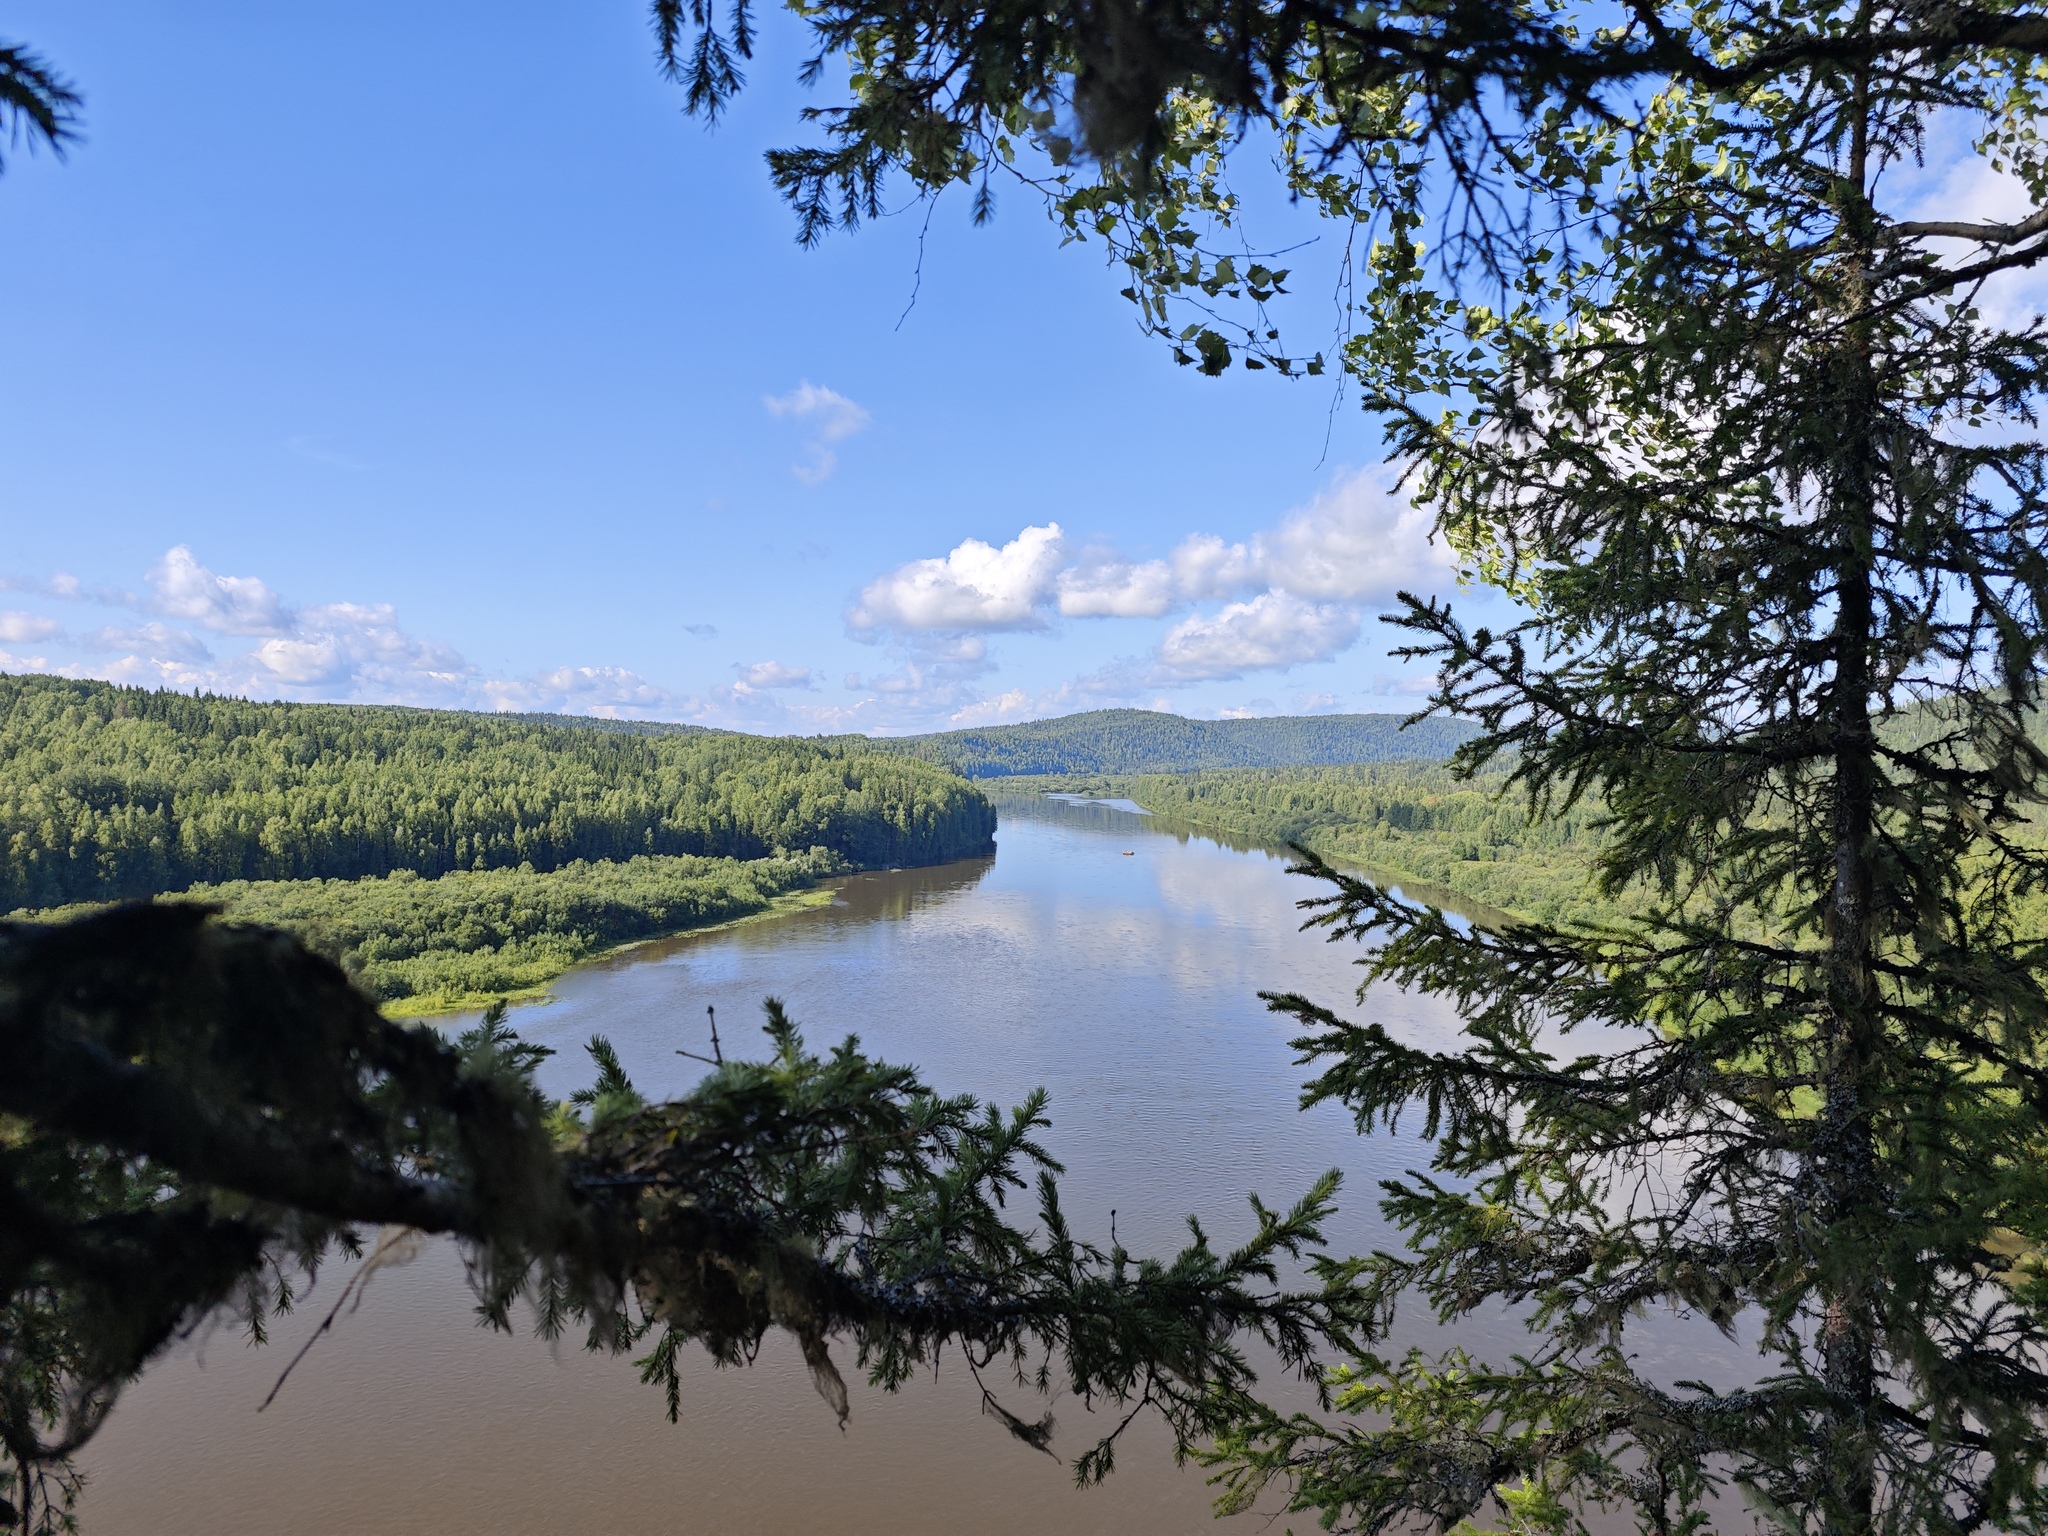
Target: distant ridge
x=111, y=793
x=1120, y=741
x=603, y=723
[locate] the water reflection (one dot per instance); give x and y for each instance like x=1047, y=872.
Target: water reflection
x=1117, y=815
x=1114, y=958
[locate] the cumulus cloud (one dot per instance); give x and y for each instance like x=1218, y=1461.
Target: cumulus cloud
x=357, y=652
x=1404, y=684
x=763, y=675
x=1121, y=685
x=1274, y=629
x=1957, y=184
x=362, y=648
x=831, y=418
x=974, y=587
x=1291, y=594
x=932, y=676
x=18, y=628
x=1011, y=704
x=1202, y=566
x=228, y=605
x=154, y=638
x=607, y=692
x=1358, y=542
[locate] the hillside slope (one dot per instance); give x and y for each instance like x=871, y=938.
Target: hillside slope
x=109, y=792
x=1125, y=741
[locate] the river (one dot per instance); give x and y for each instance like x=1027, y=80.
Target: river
x=1107, y=956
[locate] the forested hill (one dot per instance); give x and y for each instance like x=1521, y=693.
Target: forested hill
x=1144, y=741
x=109, y=792
x=627, y=727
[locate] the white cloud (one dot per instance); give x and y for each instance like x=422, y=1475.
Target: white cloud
x=1111, y=589
x=607, y=692
x=356, y=652
x=1292, y=594
x=1274, y=629
x=974, y=587
x=360, y=648
x=1203, y=566
x=1121, y=684
x=155, y=638
x=18, y=628
x=1012, y=704
x=1358, y=542
x=831, y=417
x=229, y=605
x=774, y=674
x=934, y=675
x=1404, y=684
x=1960, y=185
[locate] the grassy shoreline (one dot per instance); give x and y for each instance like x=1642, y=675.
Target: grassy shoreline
x=808, y=899
x=1447, y=842
x=423, y=947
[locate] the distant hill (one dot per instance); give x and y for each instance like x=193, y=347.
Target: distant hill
x=600, y=723
x=109, y=793
x=1146, y=741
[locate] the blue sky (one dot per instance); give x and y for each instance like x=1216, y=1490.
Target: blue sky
x=430, y=354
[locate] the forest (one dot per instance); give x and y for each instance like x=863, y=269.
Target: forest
x=1708, y=338
x=110, y=793
x=1404, y=822
x=432, y=946
x=1123, y=741
x=1472, y=839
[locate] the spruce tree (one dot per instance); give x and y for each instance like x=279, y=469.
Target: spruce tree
x=1759, y=469
x=1640, y=296
x=195, y=1116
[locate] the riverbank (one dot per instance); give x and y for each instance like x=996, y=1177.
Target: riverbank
x=1456, y=844
x=463, y=940
x=470, y=1002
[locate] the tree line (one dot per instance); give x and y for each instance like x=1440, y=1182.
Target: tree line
x=1651, y=308
x=1151, y=741
x=1464, y=833
x=1406, y=822
x=111, y=793
x=427, y=946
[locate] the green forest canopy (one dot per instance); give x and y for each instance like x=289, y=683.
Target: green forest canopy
x=1419, y=824
x=1415, y=824
x=1148, y=741
x=470, y=936
x=111, y=793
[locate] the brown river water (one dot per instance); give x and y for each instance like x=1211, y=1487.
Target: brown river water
x=1107, y=956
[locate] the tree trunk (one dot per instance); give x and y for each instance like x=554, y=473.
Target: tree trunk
x=1844, y=1152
